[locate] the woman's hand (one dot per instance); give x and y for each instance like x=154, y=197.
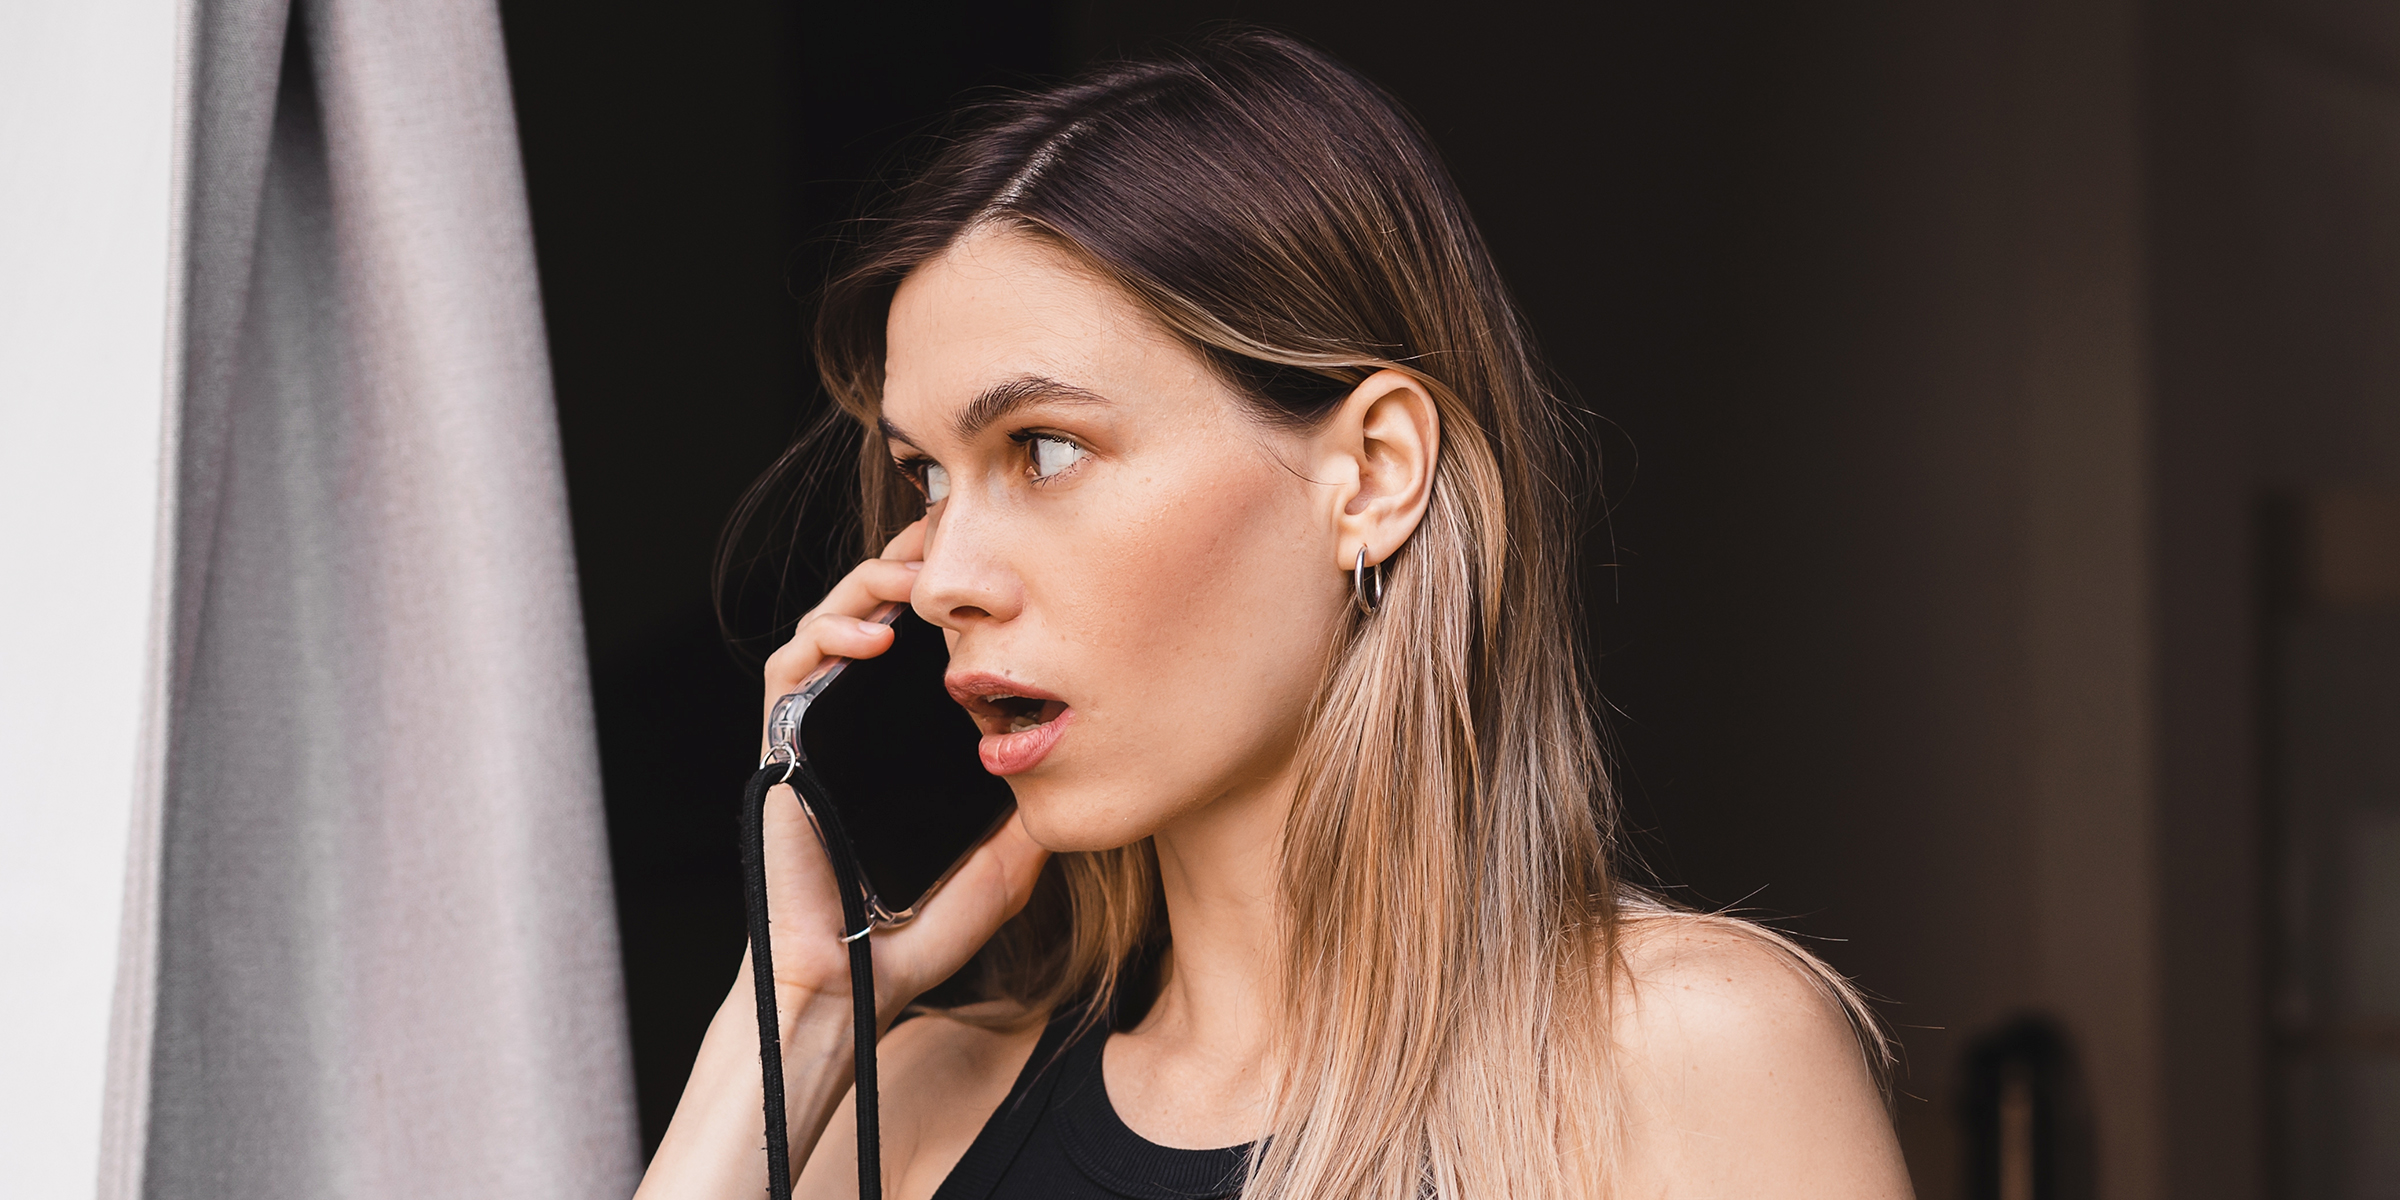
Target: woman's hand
x=711, y=1148
x=803, y=903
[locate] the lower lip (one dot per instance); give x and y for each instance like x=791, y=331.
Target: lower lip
x=1010, y=753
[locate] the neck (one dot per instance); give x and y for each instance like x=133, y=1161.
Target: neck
x=1218, y=868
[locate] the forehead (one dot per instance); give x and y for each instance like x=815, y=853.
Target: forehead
x=1002, y=305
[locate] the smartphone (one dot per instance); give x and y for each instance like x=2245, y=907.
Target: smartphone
x=896, y=756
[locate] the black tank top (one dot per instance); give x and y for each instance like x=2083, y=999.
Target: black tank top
x=1057, y=1137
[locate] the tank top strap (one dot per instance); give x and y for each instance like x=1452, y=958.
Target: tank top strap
x=979, y=1170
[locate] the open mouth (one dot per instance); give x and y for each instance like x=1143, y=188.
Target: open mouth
x=1016, y=714
x=1020, y=723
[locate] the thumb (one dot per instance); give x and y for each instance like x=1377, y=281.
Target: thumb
x=994, y=885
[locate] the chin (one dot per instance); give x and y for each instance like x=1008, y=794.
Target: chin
x=1063, y=818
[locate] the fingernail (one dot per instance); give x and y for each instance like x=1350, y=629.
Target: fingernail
x=914, y=564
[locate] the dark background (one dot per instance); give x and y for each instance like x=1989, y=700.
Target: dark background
x=684, y=171
x=1801, y=260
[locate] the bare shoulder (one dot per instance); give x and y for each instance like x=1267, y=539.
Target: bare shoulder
x=1699, y=983
x=940, y=1076
x=1741, y=1069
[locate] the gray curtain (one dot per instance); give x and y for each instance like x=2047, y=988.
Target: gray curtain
x=371, y=949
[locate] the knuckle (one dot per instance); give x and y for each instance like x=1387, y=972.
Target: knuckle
x=793, y=654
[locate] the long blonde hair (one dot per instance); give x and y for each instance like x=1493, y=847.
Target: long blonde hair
x=1452, y=909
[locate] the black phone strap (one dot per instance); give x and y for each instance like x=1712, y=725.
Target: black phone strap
x=762, y=969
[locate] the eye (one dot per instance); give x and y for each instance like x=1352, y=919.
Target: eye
x=936, y=481
x=1052, y=455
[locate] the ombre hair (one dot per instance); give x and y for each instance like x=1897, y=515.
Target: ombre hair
x=1452, y=912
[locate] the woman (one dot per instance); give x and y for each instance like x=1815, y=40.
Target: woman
x=1197, y=417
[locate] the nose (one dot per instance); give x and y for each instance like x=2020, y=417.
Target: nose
x=965, y=580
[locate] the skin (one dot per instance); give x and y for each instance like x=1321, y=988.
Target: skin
x=1173, y=572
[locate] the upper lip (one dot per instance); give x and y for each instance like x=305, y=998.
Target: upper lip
x=976, y=691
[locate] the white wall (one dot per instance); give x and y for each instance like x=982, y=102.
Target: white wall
x=87, y=92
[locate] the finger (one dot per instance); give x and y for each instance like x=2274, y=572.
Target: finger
x=868, y=586
x=826, y=635
x=908, y=545
x=1014, y=861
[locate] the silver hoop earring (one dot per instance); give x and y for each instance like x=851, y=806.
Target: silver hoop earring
x=1358, y=584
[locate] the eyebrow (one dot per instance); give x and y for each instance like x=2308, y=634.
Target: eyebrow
x=998, y=401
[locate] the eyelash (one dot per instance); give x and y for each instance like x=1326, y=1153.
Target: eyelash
x=913, y=467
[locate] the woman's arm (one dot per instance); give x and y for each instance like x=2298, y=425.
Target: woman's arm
x=1743, y=1077
x=712, y=1147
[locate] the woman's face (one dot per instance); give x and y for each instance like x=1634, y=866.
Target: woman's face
x=1134, y=574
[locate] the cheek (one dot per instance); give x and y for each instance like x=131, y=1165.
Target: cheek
x=1200, y=575
x=1199, y=618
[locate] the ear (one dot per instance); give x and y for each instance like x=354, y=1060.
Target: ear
x=1378, y=453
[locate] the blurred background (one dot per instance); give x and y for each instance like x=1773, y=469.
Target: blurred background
x=2000, y=585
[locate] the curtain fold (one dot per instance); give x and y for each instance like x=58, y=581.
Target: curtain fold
x=370, y=944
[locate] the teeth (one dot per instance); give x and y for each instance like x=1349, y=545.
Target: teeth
x=1019, y=713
